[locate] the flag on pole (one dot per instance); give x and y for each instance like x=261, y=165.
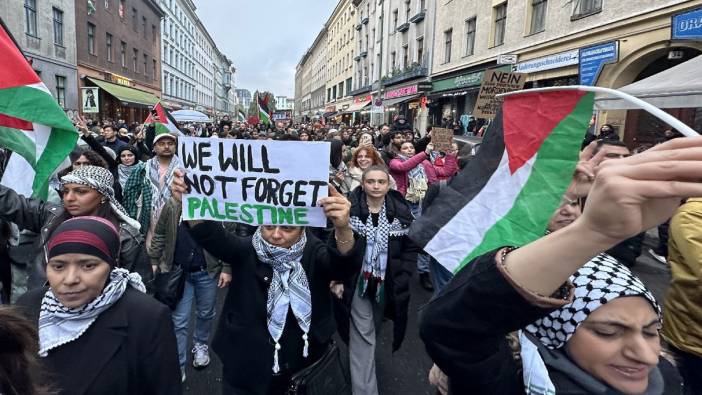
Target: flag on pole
x=263, y=112
x=163, y=121
x=508, y=192
x=242, y=116
x=32, y=124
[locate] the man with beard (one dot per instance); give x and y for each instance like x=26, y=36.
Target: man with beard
x=151, y=181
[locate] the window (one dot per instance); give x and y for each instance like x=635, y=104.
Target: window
x=349, y=82
x=30, y=17
x=407, y=10
x=394, y=20
x=405, y=56
x=143, y=26
x=108, y=46
x=470, y=36
x=341, y=89
x=538, y=16
x=146, y=61
x=500, y=13
x=420, y=50
x=122, y=8
x=422, y=5
x=586, y=7
x=107, y=4
x=61, y=90
x=58, y=26
x=134, y=18
x=91, y=38
x=393, y=59
x=123, y=54
x=334, y=92
x=448, y=38
x=135, y=55
x=153, y=68
x=153, y=33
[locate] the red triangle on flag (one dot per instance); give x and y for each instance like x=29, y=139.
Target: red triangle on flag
x=529, y=118
x=15, y=70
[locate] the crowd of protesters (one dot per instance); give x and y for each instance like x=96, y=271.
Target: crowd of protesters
x=563, y=314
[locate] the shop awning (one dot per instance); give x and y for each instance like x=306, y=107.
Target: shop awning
x=356, y=107
x=677, y=87
x=392, y=102
x=126, y=94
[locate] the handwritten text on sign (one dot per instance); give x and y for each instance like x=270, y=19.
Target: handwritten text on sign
x=255, y=182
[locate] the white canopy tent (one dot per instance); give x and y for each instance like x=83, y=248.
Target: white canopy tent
x=190, y=116
x=677, y=87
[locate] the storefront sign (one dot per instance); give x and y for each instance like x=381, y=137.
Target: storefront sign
x=549, y=62
x=90, y=100
x=593, y=59
x=330, y=109
x=362, y=99
x=507, y=58
x=400, y=92
x=118, y=79
x=495, y=83
x=687, y=26
x=461, y=81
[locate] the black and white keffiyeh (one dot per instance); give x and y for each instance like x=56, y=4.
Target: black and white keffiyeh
x=375, y=261
x=160, y=195
x=101, y=180
x=289, y=288
x=59, y=325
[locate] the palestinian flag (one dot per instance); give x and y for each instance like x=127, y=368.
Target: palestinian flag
x=264, y=113
x=508, y=192
x=242, y=116
x=162, y=120
x=32, y=124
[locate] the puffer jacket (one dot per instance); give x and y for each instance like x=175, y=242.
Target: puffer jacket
x=400, y=169
x=682, y=315
x=42, y=217
x=163, y=243
x=402, y=258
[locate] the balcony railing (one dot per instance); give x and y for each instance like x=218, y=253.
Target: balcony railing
x=419, y=17
x=363, y=89
x=363, y=54
x=415, y=70
x=364, y=21
x=403, y=27
x=358, y=26
x=357, y=58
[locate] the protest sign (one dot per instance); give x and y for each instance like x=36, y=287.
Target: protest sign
x=495, y=83
x=256, y=182
x=442, y=139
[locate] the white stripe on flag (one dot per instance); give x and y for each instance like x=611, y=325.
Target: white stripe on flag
x=466, y=230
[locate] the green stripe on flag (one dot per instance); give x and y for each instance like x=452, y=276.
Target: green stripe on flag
x=17, y=141
x=543, y=190
x=58, y=147
x=34, y=105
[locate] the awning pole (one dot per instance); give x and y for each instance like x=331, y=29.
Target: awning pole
x=655, y=111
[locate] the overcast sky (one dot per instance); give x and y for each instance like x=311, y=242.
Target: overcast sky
x=264, y=39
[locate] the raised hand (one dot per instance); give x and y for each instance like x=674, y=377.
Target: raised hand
x=178, y=186
x=336, y=208
x=586, y=169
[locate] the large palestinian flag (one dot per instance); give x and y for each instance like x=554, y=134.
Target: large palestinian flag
x=508, y=192
x=163, y=121
x=32, y=124
x=263, y=111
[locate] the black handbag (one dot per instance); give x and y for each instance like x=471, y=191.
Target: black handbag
x=169, y=286
x=324, y=377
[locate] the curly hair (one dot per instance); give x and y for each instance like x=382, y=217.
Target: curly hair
x=370, y=151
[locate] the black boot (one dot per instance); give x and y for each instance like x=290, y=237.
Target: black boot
x=425, y=282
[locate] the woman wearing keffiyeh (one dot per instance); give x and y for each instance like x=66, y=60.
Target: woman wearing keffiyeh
x=277, y=317
x=98, y=330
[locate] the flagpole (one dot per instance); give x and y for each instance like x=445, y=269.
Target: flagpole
x=644, y=105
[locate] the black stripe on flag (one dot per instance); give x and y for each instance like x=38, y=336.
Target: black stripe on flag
x=463, y=187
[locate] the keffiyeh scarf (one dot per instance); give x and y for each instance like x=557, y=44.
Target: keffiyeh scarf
x=289, y=289
x=59, y=325
x=123, y=173
x=159, y=195
x=375, y=261
x=598, y=282
x=101, y=180
x=418, y=182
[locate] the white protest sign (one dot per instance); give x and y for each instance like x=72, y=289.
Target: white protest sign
x=257, y=182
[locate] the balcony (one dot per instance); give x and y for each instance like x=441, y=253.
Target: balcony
x=357, y=58
x=415, y=70
x=363, y=54
x=419, y=17
x=358, y=26
x=364, y=21
x=403, y=27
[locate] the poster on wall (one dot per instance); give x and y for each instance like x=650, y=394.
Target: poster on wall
x=90, y=100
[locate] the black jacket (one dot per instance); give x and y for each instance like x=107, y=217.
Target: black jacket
x=464, y=330
x=130, y=349
x=241, y=340
x=402, y=260
x=41, y=217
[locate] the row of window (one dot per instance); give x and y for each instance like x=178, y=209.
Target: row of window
x=333, y=93
x=407, y=11
x=139, y=64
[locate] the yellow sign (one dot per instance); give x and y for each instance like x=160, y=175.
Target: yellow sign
x=118, y=79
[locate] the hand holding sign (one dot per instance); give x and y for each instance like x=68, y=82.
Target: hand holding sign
x=178, y=187
x=336, y=208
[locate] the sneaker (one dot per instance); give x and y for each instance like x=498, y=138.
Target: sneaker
x=201, y=356
x=182, y=375
x=657, y=257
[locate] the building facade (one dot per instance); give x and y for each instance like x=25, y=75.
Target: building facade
x=284, y=103
x=45, y=31
x=244, y=98
x=553, y=44
x=178, y=54
x=119, y=55
x=223, y=85
x=340, y=37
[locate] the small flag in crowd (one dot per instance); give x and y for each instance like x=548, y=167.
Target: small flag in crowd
x=508, y=192
x=242, y=116
x=32, y=124
x=263, y=112
x=164, y=122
